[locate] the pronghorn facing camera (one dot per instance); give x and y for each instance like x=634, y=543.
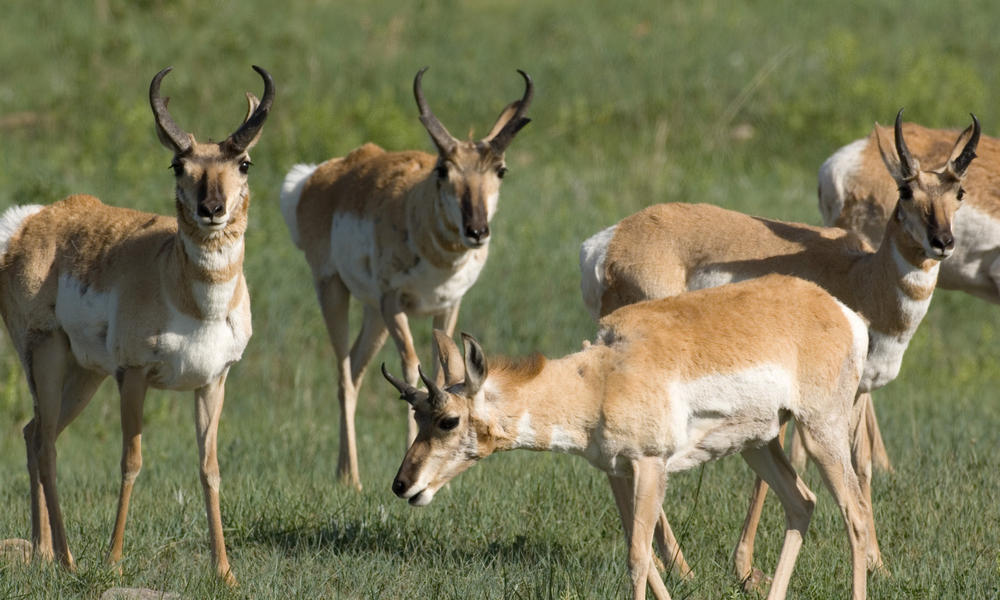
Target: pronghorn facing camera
x=666, y=249
x=856, y=194
x=88, y=290
x=406, y=233
x=667, y=385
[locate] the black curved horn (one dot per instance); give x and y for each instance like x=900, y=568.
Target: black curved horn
x=180, y=139
x=407, y=391
x=905, y=158
x=505, y=136
x=436, y=393
x=241, y=138
x=442, y=139
x=961, y=163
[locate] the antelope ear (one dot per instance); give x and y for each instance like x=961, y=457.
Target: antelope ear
x=451, y=358
x=476, y=369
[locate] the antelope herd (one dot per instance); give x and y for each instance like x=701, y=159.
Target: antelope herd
x=800, y=323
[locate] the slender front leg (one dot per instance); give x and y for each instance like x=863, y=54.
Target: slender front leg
x=861, y=459
x=132, y=391
x=880, y=456
x=622, y=489
x=649, y=484
x=208, y=409
x=399, y=328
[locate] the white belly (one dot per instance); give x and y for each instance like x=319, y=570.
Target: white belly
x=181, y=354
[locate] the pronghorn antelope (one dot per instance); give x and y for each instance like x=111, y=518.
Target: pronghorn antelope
x=88, y=290
x=856, y=195
x=667, y=385
x=406, y=233
x=666, y=249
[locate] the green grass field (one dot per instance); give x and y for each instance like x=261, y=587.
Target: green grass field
x=636, y=102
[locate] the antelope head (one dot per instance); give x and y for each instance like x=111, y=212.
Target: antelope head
x=928, y=199
x=468, y=173
x=448, y=437
x=211, y=177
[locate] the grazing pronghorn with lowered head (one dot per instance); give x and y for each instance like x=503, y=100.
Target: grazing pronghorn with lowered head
x=88, y=290
x=667, y=385
x=406, y=233
x=666, y=249
x=856, y=195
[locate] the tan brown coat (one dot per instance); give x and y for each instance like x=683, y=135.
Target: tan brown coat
x=667, y=385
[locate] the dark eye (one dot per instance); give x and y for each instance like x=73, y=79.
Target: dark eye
x=448, y=423
x=501, y=171
x=905, y=193
x=178, y=168
x=245, y=166
x=961, y=193
x=442, y=171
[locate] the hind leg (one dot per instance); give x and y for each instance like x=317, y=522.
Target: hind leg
x=771, y=464
x=49, y=362
x=832, y=456
x=743, y=553
x=78, y=389
x=334, y=302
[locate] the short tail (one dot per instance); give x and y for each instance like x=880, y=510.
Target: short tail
x=11, y=221
x=593, y=254
x=291, y=192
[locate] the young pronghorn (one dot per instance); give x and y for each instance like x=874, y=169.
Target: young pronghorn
x=666, y=249
x=855, y=195
x=406, y=233
x=88, y=290
x=667, y=385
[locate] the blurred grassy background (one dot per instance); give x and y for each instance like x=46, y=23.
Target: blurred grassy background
x=735, y=103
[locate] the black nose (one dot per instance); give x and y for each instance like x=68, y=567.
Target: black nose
x=477, y=233
x=943, y=241
x=211, y=209
x=398, y=487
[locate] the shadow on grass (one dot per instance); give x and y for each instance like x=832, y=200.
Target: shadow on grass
x=434, y=544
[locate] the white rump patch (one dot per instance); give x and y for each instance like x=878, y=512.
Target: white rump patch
x=291, y=191
x=833, y=176
x=593, y=254
x=11, y=221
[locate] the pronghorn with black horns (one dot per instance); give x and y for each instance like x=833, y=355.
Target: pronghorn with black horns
x=666, y=249
x=89, y=290
x=667, y=385
x=406, y=233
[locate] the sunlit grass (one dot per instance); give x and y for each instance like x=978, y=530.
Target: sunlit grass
x=735, y=104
